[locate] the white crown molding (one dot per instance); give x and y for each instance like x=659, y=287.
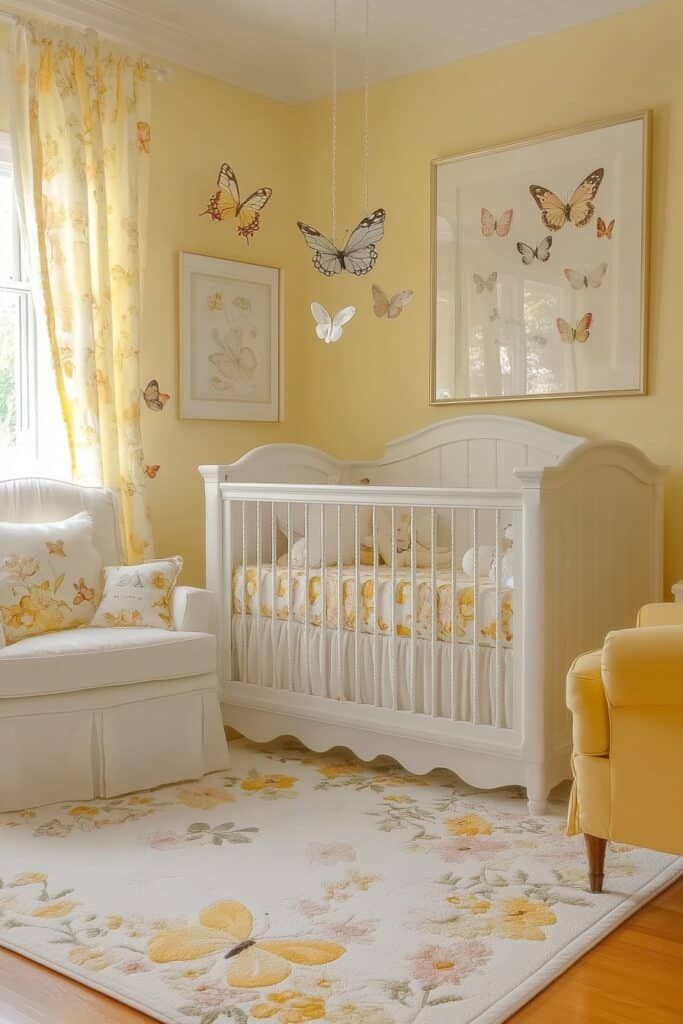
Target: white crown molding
x=283, y=51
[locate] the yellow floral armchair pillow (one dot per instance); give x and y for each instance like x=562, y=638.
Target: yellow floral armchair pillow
x=139, y=595
x=50, y=576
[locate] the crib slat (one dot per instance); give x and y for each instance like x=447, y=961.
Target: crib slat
x=245, y=596
x=356, y=549
x=274, y=583
x=454, y=605
x=306, y=597
x=340, y=607
x=375, y=613
x=435, y=615
x=257, y=595
x=496, y=706
x=392, y=649
x=413, y=608
x=474, y=693
x=323, y=606
x=290, y=598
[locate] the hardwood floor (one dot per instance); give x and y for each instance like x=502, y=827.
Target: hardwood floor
x=635, y=976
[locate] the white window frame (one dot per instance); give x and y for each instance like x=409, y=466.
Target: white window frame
x=13, y=461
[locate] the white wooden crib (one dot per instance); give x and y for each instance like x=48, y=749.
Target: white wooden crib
x=408, y=655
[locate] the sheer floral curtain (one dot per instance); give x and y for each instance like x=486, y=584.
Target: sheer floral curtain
x=80, y=111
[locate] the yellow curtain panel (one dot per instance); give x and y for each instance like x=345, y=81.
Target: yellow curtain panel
x=80, y=114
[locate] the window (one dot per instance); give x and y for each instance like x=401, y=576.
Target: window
x=18, y=434
x=32, y=436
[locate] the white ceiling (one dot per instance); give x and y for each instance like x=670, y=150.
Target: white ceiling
x=282, y=47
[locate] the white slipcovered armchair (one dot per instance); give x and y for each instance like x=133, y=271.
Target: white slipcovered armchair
x=94, y=712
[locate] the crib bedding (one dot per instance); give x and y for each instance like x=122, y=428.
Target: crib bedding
x=253, y=595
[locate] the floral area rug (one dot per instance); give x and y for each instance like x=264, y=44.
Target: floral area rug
x=299, y=887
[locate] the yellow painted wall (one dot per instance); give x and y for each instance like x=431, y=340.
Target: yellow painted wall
x=374, y=385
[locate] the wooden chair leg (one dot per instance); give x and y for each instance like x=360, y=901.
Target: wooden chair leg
x=595, y=848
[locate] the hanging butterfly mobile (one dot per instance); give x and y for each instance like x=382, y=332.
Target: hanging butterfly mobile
x=357, y=256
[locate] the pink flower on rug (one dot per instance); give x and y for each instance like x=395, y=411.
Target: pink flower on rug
x=208, y=996
x=351, y=929
x=134, y=967
x=309, y=908
x=163, y=840
x=331, y=853
x=465, y=847
x=441, y=965
x=55, y=827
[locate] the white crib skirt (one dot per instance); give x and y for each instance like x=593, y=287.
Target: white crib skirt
x=436, y=680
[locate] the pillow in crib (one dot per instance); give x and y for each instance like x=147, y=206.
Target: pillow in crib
x=486, y=560
x=395, y=548
x=139, y=595
x=50, y=576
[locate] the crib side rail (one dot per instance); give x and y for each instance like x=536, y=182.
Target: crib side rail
x=344, y=645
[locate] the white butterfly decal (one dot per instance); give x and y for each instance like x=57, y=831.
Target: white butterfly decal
x=358, y=255
x=330, y=328
x=485, y=284
x=390, y=307
x=541, y=252
x=593, y=279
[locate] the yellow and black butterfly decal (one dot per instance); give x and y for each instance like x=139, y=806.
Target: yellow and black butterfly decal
x=226, y=202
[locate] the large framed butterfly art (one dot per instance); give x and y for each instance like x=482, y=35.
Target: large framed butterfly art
x=539, y=267
x=230, y=351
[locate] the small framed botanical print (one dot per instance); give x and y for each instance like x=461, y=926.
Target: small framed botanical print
x=229, y=340
x=539, y=267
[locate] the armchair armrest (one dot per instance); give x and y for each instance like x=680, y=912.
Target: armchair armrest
x=587, y=702
x=192, y=610
x=644, y=667
x=669, y=614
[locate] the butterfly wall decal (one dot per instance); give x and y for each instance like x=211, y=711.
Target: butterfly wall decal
x=234, y=364
x=541, y=252
x=154, y=398
x=357, y=256
x=604, y=230
x=490, y=226
x=151, y=471
x=226, y=202
x=487, y=284
x=330, y=328
x=578, y=210
x=592, y=279
x=390, y=307
x=579, y=333
x=226, y=927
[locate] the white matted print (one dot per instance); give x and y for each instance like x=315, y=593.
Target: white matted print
x=539, y=267
x=229, y=339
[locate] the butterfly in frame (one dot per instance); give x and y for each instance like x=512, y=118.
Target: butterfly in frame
x=226, y=202
x=237, y=363
x=578, y=210
x=154, y=398
x=605, y=230
x=541, y=252
x=392, y=307
x=227, y=927
x=330, y=328
x=579, y=333
x=487, y=284
x=592, y=279
x=357, y=256
x=490, y=226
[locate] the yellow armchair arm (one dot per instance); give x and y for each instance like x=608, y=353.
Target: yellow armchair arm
x=587, y=702
x=669, y=614
x=644, y=667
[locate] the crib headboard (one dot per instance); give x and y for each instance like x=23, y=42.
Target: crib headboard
x=467, y=451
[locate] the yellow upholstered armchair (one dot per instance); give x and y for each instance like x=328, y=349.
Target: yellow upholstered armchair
x=627, y=707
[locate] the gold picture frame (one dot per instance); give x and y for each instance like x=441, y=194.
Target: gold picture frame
x=501, y=346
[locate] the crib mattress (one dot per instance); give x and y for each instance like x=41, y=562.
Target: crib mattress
x=377, y=612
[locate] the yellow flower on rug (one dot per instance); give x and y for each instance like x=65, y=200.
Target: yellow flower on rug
x=520, y=918
x=204, y=797
x=289, y=1007
x=226, y=927
x=469, y=825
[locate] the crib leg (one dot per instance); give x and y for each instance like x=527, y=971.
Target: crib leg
x=537, y=790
